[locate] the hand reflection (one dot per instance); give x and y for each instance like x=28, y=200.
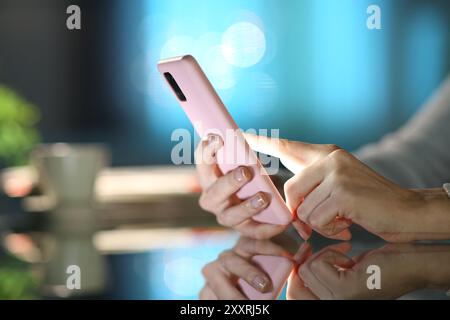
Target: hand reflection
x=331, y=274
x=255, y=269
x=258, y=269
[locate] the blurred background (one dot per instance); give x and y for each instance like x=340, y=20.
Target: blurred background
x=310, y=68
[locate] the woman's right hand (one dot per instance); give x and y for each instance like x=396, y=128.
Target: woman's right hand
x=219, y=193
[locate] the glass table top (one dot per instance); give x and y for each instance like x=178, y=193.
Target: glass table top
x=172, y=263
x=364, y=268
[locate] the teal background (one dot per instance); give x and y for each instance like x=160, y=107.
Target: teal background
x=331, y=79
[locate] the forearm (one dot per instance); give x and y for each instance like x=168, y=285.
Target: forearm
x=418, y=154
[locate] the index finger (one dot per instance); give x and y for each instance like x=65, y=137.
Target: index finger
x=298, y=153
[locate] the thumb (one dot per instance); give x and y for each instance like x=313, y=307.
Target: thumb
x=295, y=155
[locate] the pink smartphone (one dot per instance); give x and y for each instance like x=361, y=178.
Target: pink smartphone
x=208, y=115
x=277, y=268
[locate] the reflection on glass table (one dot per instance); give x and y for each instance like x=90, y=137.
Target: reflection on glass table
x=389, y=271
x=134, y=263
x=160, y=263
x=212, y=263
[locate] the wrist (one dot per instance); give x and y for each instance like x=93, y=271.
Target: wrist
x=431, y=214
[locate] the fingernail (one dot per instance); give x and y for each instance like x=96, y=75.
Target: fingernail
x=260, y=283
x=258, y=202
x=300, y=213
x=301, y=271
x=241, y=174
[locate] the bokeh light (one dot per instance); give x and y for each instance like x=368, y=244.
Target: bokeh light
x=182, y=276
x=217, y=69
x=259, y=94
x=177, y=46
x=310, y=68
x=243, y=44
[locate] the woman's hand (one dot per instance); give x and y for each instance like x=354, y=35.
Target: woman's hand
x=331, y=274
x=314, y=279
x=332, y=189
x=219, y=193
x=221, y=275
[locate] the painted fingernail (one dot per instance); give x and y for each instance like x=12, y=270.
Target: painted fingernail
x=241, y=174
x=260, y=283
x=258, y=202
x=302, y=271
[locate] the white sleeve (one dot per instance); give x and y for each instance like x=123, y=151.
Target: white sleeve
x=418, y=154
